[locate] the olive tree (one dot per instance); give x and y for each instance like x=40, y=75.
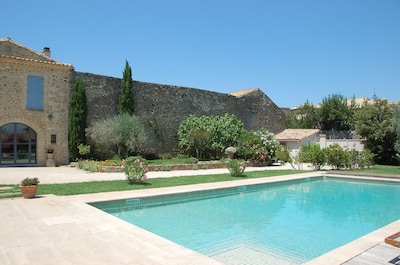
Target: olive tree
x=124, y=131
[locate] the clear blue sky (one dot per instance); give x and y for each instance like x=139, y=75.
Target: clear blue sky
x=294, y=50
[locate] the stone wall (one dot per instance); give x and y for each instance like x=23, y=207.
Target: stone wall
x=163, y=107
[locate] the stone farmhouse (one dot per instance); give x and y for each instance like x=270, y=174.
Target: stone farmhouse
x=34, y=103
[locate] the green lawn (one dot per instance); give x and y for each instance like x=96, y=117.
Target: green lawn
x=380, y=169
x=121, y=185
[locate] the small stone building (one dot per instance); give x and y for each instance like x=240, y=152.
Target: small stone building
x=295, y=138
x=34, y=103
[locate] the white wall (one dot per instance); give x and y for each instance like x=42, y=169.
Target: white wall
x=349, y=144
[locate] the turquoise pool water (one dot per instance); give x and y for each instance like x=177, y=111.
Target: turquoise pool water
x=278, y=223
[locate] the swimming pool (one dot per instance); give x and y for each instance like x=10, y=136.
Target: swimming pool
x=283, y=222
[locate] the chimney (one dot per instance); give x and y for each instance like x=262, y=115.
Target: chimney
x=46, y=51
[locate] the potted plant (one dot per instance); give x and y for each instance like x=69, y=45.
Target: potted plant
x=28, y=187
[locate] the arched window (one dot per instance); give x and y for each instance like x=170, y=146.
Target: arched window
x=17, y=145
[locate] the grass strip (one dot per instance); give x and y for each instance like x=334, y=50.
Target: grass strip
x=122, y=185
x=379, y=169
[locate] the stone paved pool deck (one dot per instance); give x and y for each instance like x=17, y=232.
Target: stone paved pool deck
x=66, y=230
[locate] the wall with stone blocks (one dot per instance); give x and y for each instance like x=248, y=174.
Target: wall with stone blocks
x=162, y=107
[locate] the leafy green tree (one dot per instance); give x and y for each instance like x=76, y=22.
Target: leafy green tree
x=124, y=131
x=335, y=114
x=396, y=128
x=306, y=116
x=374, y=123
x=77, y=119
x=194, y=134
x=126, y=101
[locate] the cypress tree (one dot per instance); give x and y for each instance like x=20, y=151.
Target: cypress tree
x=77, y=119
x=126, y=94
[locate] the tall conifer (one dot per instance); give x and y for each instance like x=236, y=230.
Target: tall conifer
x=126, y=94
x=77, y=119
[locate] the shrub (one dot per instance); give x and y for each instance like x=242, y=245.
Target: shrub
x=166, y=156
x=336, y=156
x=191, y=160
x=283, y=154
x=312, y=153
x=182, y=156
x=366, y=159
x=84, y=150
x=135, y=169
x=257, y=146
x=236, y=167
x=88, y=165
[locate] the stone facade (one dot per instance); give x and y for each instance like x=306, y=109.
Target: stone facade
x=161, y=107
x=16, y=64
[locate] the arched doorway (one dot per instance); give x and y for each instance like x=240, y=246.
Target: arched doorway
x=17, y=145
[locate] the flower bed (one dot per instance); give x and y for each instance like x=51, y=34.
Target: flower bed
x=169, y=167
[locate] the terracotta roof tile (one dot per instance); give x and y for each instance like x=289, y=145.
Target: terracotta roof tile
x=290, y=135
x=46, y=59
x=245, y=92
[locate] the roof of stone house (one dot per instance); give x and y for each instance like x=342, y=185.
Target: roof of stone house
x=295, y=135
x=45, y=59
x=245, y=92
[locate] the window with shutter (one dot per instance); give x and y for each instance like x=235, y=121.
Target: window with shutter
x=34, y=99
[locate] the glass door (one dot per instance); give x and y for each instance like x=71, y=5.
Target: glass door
x=18, y=145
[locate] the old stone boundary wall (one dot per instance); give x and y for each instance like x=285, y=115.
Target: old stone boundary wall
x=162, y=107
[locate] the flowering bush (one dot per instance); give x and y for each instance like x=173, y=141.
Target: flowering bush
x=267, y=141
x=257, y=146
x=236, y=167
x=135, y=169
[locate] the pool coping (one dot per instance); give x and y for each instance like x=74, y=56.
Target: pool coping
x=97, y=237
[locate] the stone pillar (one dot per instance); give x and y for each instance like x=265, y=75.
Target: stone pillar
x=50, y=160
